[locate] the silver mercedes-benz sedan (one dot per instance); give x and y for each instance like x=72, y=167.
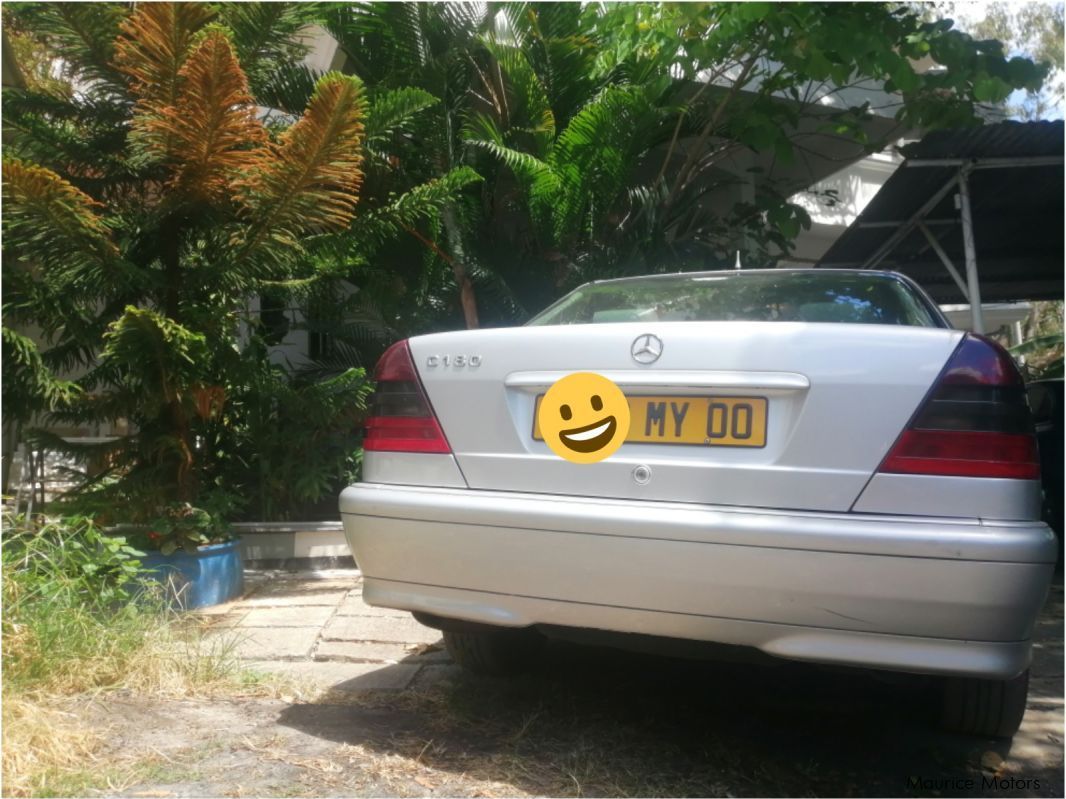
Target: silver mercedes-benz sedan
x=816, y=465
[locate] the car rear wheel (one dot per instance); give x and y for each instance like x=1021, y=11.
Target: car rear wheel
x=985, y=707
x=496, y=652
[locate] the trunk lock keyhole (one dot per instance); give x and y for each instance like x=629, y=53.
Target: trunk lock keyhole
x=642, y=475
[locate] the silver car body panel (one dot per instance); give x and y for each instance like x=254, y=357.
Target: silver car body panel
x=933, y=495
x=832, y=416
x=412, y=468
x=801, y=548
x=916, y=594
x=987, y=659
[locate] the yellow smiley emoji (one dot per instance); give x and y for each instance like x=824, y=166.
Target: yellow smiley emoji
x=584, y=417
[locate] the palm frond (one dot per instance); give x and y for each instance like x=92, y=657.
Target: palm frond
x=1038, y=344
x=309, y=181
x=597, y=151
x=154, y=43
x=80, y=137
x=523, y=164
x=143, y=336
x=82, y=37
x=28, y=384
x=269, y=35
x=560, y=50
x=515, y=22
x=288, y=88
x=528, y=107
x=48, y=216
x=412, y=207
x=541, y=183
x=207, y=134
x=393, y=32
x=390, y=111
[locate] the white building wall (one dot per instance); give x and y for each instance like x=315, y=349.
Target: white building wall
x=855, y=186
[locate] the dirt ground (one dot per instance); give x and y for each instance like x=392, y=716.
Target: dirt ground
x=591, y=722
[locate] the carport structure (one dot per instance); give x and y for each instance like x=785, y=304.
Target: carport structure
x=971, y=215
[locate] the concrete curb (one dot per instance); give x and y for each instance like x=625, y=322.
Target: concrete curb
x=294, y=545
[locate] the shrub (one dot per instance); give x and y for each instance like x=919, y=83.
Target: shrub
x=80, y=616
x=75, y=605
x=288, y=446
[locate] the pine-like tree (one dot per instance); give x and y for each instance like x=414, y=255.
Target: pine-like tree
x=146, y=204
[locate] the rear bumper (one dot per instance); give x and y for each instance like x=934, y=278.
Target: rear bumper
x=946, y=596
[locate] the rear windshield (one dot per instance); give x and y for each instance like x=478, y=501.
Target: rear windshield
x=873, y=299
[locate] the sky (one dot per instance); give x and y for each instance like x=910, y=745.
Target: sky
x=966, y=14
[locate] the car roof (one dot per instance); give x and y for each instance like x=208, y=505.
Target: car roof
x=737, y=272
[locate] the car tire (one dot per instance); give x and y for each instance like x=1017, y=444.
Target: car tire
x=992, y=708
x=496, y=652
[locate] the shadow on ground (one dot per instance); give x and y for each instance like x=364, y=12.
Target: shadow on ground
x=598, y=722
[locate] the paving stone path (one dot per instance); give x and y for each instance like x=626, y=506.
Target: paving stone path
x=315, y=627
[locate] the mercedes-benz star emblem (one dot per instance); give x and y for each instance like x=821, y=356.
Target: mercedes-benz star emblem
x=646, y=348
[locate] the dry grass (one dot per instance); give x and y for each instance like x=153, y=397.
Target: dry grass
x=523, y=737
x=80, y=621
x=43, y=739
x=49, y=747
x=58, y=747
x=48, y=742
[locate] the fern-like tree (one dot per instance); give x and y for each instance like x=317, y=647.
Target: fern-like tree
x=144, y=206
x=437, y=276
x=609, y=135
x=621, y=121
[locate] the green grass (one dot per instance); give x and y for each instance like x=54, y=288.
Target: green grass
x=80, y=618
x=70, y=620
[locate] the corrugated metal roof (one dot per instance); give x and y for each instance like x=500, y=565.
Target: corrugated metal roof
x=1002, y=140
x=1017, y=211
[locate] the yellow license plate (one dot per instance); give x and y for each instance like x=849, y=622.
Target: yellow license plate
x=706, y=421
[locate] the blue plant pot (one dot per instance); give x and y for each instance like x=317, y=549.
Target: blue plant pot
x=212, y=575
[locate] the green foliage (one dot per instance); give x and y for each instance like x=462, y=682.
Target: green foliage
x=392, y=111
x=35, y=67
x=81, y=35
x=70, y=619
x=421, y=204
x=275, y=422
x=268, y=36
x=1044, y=355
x=72, y=555
x=611, y=137
x=478, y=161
x=181, y=526
x=748, y=57
x=81, y=614
x=137, y=260
x=29, y=385
x=144, y=346
x=1028, y=32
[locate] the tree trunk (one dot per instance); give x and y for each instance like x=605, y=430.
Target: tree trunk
x=12, y=434
x=455, y=240
x=458, y=262
x=171, y=255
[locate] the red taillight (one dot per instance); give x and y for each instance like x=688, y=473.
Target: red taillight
x=975, y=423
x=401, y=418
x=966, y=454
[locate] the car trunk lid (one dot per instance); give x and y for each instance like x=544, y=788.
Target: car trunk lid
x=834, y=397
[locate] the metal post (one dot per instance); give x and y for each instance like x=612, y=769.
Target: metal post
x=890, y=244
x=944, y=259
x=976, y=316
